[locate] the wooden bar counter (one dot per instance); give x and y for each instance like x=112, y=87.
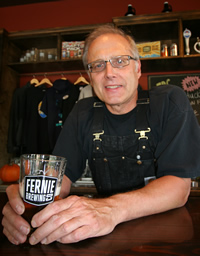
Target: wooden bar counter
x=176, y=232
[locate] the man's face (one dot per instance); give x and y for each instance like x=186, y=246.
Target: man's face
x=117, y=87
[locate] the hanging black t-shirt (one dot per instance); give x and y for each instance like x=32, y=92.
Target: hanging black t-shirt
x=174, y=126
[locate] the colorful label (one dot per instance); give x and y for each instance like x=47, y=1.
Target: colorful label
x=39, y=190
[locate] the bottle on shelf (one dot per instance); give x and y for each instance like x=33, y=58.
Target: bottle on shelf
x=131, y=11
x=167, y=7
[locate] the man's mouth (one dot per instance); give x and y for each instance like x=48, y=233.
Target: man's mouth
x=113, y=86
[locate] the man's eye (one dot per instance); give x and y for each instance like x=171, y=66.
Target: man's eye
x=119, y=61
x=98, y=65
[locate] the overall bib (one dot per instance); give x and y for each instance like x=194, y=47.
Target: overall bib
x=120, y=163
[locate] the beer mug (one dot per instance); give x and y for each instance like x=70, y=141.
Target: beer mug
x=40, y=181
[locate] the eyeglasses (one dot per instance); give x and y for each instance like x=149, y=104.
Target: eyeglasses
x=116, y=62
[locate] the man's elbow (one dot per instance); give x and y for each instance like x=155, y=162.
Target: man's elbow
x=185, y=191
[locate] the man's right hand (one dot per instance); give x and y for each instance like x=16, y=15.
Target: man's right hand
x=15, y=227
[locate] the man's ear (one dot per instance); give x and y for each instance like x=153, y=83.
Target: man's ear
x=90, y=78
x=139, y=68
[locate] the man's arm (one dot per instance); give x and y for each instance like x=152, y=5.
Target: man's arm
x=66, y=186
x=160, y=195
x=77, y=218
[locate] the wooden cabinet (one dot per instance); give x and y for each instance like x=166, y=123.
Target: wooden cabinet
x=9, y=80
x=46, y=39
x=167, y=28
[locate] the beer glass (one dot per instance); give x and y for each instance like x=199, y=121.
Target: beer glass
x=40, y=181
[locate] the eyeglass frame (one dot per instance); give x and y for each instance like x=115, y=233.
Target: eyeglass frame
x=110, y=60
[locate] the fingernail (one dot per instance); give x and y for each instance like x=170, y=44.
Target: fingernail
x=33, y=224
x=32, y=240
x=25, y=230
x=19, y=209
x=15, y=242
x=44, y=241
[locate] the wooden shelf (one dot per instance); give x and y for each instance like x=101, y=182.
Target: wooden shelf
x=166, y=64
x=48, y=66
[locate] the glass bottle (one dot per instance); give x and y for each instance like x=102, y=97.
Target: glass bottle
x=28, y=56
x=131, y=11
x=34, y=54
x=167, y=7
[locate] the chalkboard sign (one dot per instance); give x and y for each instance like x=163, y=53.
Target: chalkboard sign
x=190, y=83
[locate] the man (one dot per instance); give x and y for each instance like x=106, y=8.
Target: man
x=127, y=137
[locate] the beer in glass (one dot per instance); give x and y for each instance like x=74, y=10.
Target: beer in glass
x=40, y=181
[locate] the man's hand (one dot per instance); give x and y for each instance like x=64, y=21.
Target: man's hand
x=14, y=226
x=73, y=219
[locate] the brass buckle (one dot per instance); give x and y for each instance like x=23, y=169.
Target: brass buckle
x=97, y=136
x=143, y=133
x=97, y=104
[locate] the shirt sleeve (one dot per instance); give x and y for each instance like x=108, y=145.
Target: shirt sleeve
x=178, y=134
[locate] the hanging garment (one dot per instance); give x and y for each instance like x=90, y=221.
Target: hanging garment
x=35, y=129
x=15, y=143
x=86, y=92
x=58, y=102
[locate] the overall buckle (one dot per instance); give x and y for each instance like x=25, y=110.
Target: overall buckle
x=143, y=133
x=97, y=135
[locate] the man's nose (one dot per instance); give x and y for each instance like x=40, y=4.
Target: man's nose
x=109, y=69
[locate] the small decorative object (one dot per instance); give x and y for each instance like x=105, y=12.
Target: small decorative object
x=10, y=173
x=197, y=45
x=131, y=11
x=187, y=34
x=167, y=7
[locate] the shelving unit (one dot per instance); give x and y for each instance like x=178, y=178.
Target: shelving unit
x=46, y=39
x=167, y=28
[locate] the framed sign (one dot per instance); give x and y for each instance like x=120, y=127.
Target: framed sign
x=190, y=83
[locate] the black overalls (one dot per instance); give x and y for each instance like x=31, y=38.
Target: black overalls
x=120, y=163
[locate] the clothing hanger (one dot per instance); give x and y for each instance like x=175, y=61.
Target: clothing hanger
x=34, y=81
x=81, y=79
x=45, y=80
x=63, y=77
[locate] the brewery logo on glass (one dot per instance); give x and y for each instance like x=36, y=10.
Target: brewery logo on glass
x=39, y=190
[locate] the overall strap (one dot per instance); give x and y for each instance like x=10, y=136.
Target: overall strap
x=145, y=138
x=97, y=126
x=142, y=107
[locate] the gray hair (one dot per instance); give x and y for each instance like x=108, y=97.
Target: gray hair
x=108, y=29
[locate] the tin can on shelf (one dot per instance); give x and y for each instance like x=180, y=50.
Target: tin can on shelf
x=164, y=50
x=173, y=50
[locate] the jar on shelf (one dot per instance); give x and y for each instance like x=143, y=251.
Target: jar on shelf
x=42, y=55
x=28, y=55
x=34, y=54
x=50, y=55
